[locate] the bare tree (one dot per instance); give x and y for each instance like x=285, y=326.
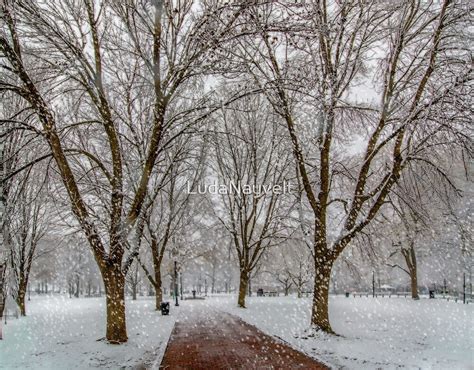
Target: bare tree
x=405, y=245
x=134, y=279
x=250, y=161
x=170, y=209
x=3, y=201
x=85, y=81
x=28, y=224
x=418, y=200
x=310, y=59
x=300, y=271
x=12, y=143
x=285, y=280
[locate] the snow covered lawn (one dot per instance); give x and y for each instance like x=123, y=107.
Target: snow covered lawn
x=375, y=333
x=62, y=333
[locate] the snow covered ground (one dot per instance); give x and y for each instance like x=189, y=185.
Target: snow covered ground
x=62, y=333
x=375, y=333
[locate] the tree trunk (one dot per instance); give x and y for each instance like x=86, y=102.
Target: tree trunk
x=320, y=309
x=134, y=291
x=213, y=277
x=157, y=255
x=410, y=260
x=413, y=273
x=76, y=294
x=414, y=285
x=244, y=280
x=2, y=307
x=114, y=282
x=20, y=299
x=158, y=291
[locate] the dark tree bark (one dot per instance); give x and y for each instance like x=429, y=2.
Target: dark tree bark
x=114, y=281
x=336, y=76
x=20, y=298
x=158, y=287
x=320, y=309
x=410, y=260
x=286, y=282
x=78, y=285
x=243, y=284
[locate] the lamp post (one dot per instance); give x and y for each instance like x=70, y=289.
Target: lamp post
x=176, y=282
x=174, y=254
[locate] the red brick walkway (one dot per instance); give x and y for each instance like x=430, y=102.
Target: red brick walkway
x=217, y=340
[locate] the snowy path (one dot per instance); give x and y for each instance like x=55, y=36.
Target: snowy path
x=204, y=338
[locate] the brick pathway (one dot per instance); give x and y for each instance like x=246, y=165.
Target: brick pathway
x=217, y=340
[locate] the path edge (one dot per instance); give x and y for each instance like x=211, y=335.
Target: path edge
x=282, y=341
x=161, y=352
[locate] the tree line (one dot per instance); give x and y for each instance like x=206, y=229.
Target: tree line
x=115, y=109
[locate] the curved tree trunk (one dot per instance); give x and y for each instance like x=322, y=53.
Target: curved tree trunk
x=244, y=280
x=320, y=309
x=114, y=282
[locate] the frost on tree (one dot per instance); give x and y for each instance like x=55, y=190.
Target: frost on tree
x=309, y=60
x=3, y=250
x=248, y=151
x=126, y=103
x=128, y=93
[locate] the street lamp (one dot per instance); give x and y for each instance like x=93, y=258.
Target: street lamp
x=175, y=253
x=176, y=282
